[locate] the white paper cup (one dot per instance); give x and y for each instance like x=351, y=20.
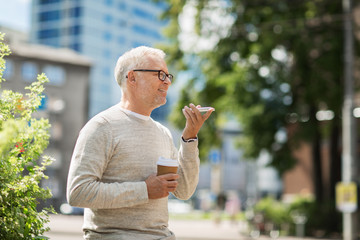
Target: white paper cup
x=166, y=165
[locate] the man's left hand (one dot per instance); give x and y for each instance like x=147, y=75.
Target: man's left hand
x=194, y=120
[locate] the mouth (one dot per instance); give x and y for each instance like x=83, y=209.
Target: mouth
x=162, y=91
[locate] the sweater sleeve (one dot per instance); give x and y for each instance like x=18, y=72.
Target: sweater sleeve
x=188, y=156
x=92, y=152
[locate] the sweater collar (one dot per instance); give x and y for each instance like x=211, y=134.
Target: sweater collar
x=137, y=115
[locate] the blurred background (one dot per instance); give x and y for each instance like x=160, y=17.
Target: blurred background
x=277, y=73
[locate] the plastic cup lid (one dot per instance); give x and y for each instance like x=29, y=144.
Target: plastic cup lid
x=167, y=162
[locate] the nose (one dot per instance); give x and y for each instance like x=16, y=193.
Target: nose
x=167, y=81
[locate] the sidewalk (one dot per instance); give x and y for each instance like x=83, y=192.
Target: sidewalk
x=203, y=230
x=64, y=227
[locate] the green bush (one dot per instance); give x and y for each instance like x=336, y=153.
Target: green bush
x=321, y=220
x=23, y=139
x=273, y=210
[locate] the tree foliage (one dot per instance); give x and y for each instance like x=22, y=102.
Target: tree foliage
x=23, y=139
x=276, y=64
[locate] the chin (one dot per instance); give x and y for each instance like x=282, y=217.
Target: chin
x=160, y=103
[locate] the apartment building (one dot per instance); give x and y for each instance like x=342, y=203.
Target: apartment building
x=65, y=103
x=101, y=30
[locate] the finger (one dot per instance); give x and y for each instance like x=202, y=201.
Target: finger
x=189, y=115
x=207, y=114
x=170, y=176
x=172, y=189
x=172, y=184
x=196, y=111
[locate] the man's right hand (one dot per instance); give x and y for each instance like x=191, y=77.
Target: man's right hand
x=160, y=186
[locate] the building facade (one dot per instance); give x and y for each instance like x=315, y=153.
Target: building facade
x=101, y=30
x=65, y=103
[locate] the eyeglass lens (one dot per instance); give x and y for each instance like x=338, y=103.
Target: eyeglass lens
x=163, y=75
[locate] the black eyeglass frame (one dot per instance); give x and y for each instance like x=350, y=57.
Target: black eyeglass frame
x=169, y=76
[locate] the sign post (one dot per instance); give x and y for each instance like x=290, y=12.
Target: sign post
x=216, y=171
x=349, y=166
x=346, y=197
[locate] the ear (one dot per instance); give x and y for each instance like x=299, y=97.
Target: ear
x=131, y=77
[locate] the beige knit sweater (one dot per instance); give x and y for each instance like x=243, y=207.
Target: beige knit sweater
x=114, y=154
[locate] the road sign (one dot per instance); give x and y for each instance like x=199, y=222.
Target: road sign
x=215, y=156
x=346, y=197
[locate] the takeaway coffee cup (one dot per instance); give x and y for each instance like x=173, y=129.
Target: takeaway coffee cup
x=166, y=165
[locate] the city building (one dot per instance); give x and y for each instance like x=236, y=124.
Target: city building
x=65, y=103
x=101, y=30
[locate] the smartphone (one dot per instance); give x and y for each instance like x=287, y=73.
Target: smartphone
x=205, y=109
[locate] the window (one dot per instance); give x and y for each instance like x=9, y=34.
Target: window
x=43, y=2
x=29, y=71
x=146, y=31
x=48, y=33
x=162, y=5
x=49, y=16
x=109, y=3
x=75, y=12
x=55, y=74
x=108, y=18
x=144, y=14
x=55, y=42
x=75, y=30
x=9, y=69
x=43, y=105
x=121, y=40
x=122, y=6
x=107, y=36
x=75, y=46
x=159, y=4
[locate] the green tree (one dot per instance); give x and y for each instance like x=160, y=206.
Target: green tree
x=23, y=139
x=275, y=66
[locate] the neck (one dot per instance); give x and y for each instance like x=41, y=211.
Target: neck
x=125, y=104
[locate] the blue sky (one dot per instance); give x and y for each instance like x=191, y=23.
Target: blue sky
x=15, y=14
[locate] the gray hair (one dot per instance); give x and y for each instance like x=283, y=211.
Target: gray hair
x=132, y=59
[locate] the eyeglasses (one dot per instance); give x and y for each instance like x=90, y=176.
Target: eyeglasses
x=161, y=74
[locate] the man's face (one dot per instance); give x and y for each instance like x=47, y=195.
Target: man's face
x=151, y=91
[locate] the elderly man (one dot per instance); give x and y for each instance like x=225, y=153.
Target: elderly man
x=113, y=168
